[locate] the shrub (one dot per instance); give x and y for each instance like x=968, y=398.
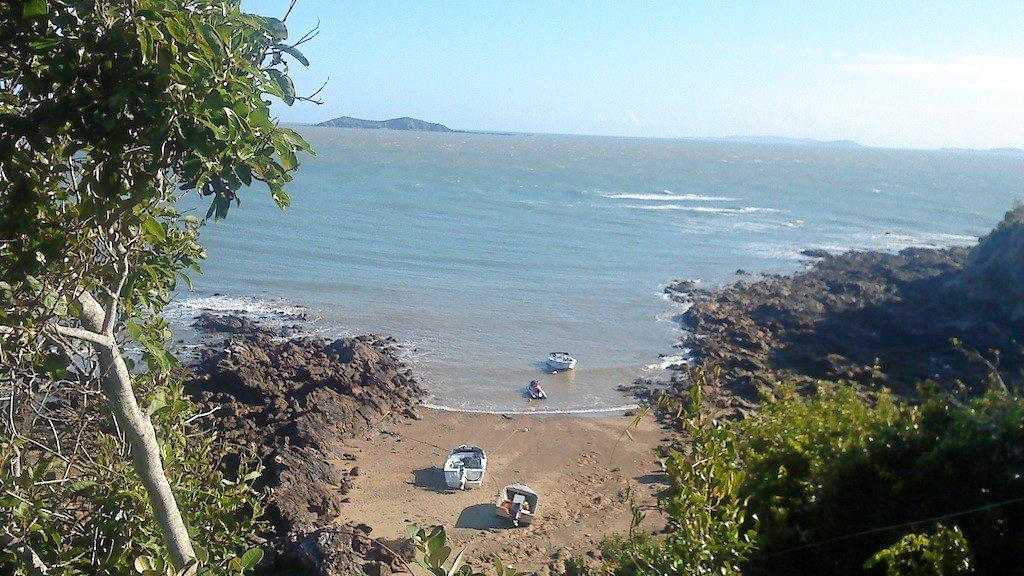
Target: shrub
x=706, y=513
x=83, y=510
x=838, y=483
x=943, y=553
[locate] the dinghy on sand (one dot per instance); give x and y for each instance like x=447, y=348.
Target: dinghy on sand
x=465, y=467
x=517, y=503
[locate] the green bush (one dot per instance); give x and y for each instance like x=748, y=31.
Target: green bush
x=706, y=513
x=93, y=516
x=840, y=484
x=943, y=553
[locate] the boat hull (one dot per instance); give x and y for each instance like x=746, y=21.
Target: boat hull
x=561, y=365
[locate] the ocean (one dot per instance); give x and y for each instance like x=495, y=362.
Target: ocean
x=484, y=252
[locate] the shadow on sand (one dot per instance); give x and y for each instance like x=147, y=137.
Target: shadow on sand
x=430, y=478
x=479, y=517
x=654, y=478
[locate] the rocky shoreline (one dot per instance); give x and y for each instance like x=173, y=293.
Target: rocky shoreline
x=295, y=403
x=951, y=316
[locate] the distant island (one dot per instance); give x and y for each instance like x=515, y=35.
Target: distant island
x=403, y=123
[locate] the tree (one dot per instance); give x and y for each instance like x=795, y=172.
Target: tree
x=108, y=111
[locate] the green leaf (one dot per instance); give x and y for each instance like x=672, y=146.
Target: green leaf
x=44, y=44
x=154, y=230
x=296, y=140
x=287, y=155
x=276, y=28
x=284, y=84
x=34, y=8
x=281, y=198
x=201, y=554
x=244, y=174
x=143, y=564
x=294, y=53
x=251, y=558
x=178, y=30
x=157, y=402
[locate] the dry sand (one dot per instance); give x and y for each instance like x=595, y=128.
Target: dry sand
x=582, y=467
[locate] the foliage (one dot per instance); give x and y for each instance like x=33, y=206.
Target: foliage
x=942, y=553
x=110, y=111
x=837, y=483
x=705, y=511
x=94, y=517
x=433, y=553
x=105, y=106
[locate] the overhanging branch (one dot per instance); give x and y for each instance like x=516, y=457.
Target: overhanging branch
x=83, y=334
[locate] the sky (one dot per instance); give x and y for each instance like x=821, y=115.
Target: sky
x=896, y=74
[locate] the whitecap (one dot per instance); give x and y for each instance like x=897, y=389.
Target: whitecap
x=702, y=209
x=669, y=197
x=190, y=308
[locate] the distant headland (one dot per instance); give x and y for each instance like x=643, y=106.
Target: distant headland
x=403, y=123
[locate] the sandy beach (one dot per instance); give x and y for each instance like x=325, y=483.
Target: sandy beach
x=582, y=467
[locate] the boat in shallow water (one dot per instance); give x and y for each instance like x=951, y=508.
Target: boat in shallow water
x=560, y=361
x=535, y=391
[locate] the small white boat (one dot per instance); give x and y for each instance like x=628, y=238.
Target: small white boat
x=559, y=361
x=517, y=503
x=465, y=467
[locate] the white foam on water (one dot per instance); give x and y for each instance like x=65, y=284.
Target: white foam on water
x=570, y=411
x=895, y=241
x=670, y=361
x=248, y=305
x=863, y=240
x=702, y=209
x=668, y=197
x=772, y=251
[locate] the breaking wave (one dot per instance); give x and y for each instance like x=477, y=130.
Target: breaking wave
x=256, y=308
x=668, y=197
x=703, y=209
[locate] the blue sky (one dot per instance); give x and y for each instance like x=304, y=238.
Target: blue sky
x=912, y=74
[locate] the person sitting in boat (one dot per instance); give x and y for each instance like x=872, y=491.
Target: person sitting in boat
x=536, y=391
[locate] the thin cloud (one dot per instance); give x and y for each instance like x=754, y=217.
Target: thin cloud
x=995, y=74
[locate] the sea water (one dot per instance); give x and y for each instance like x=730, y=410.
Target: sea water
x=484, y=252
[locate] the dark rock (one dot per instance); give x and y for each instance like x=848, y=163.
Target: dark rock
x=816, y=253
x=298, y=402
x=344, y=550
x=876, y=319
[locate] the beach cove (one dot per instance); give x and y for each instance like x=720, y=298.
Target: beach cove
x=481, y=253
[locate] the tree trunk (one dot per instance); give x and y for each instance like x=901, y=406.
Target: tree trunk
x=117, y=387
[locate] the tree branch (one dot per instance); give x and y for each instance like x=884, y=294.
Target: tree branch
x=110, y=318
x=83, y=334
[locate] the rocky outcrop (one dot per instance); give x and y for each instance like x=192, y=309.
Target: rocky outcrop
x=294, y=402
x=346, y=550
x=995, y=269
x=949, y=315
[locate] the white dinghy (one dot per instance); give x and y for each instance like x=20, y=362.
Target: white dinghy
x=559, y=361
x=465, y=467
x=518, y=503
